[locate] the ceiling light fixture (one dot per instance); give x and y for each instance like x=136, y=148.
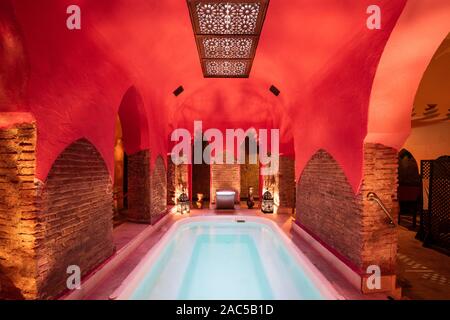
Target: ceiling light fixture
x=178, y=91
x=227, y=34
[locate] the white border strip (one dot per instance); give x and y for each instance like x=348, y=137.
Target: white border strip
x=98, y=275
x=133, y=280
x=349, y=274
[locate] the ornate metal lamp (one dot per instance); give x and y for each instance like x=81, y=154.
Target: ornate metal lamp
x=267, y=204
x=183, y=203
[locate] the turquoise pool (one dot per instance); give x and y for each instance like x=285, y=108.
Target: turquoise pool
x=221, y=258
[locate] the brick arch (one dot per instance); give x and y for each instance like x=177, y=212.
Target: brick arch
x=328, y=208
x=158, y=190
x=76, y=221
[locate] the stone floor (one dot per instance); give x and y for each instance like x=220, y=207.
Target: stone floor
x=423, y=273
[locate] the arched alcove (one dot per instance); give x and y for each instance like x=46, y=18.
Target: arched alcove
x=328, y=208
x=76, y=219
x=132, y=160
x=133, y=118
x=201, y=179
x=349, y=224
x=250, y=176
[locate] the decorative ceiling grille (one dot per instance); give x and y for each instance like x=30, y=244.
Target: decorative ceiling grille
x=226, y=67
x=227, y=34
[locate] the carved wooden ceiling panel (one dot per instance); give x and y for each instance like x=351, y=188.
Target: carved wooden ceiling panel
x=227, y=34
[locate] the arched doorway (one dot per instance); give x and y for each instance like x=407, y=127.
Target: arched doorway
x=201, y=179
x=120, y=189
x=132, y=161
x=250, y=175
x=409, y=188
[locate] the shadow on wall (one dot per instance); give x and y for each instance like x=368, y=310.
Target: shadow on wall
x=8, y=290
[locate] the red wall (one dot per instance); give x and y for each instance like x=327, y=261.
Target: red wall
x=318, y=53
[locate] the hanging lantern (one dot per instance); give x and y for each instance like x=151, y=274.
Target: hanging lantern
x=183, y=203
x=267, y=202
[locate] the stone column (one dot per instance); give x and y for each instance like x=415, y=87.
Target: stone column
x=18, y=212
x=139, y=209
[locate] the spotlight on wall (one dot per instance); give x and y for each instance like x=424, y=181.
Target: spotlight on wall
x=178, y=91
x=274, y=90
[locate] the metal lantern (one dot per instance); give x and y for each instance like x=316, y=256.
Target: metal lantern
x=267, y=202
x=183, y=203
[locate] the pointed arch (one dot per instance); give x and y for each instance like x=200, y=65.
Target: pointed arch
x=401, y=69
x=133, y=118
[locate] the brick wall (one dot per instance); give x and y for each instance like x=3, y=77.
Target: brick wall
x=380, y=176
x=201, y=176
x=158, y=187
x=18, y=213
x=45, y=227
x=75, y=223
x=177, y=176
x=349, y=223
x=282, y=185
x=139, y=208
x=327, y=206
x=286, y=181
x=225, y=176
x=249, y=178
x=171, y=182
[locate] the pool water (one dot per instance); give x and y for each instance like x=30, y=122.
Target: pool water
x=223, y=260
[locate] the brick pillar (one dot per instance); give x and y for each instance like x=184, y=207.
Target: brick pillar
x=139, y=194
x=177, y=178
x=158, y=188
x=286, y=185
x=171, y=183
x=350, y=225
x=18, y=213
x=381, y=177
x=46, y=227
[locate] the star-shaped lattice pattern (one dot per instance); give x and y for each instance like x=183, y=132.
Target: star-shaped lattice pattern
x=227, y=18
x=226, y=68
x=227, y=47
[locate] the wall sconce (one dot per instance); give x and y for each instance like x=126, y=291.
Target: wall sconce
x=267, y=204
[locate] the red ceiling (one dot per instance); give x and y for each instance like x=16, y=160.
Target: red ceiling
x=318, y=53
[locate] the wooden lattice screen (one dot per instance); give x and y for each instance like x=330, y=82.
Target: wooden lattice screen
x=435, y=222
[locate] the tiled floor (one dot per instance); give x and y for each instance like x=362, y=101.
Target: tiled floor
x=423, y=273
x=127, y=231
